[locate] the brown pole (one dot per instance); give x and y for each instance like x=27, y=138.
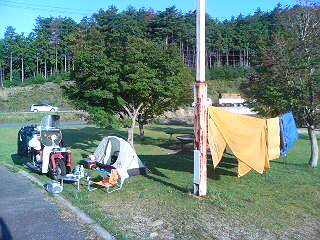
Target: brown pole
x=200, y=121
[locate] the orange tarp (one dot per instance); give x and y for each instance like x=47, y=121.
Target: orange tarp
x=246, y=136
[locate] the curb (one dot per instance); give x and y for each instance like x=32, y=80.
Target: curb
x=99, y=230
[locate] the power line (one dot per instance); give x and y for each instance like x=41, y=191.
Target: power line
x=46, y=8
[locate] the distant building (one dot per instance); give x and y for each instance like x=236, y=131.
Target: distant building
x=230, y=100
x=233, y=102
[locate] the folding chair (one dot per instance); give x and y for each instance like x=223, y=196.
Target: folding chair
x=112, y=182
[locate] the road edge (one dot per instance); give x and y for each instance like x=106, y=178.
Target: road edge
x=96, y=227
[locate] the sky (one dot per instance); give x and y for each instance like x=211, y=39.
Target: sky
x=21, y=14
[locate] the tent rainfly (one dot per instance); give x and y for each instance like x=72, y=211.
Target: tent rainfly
x=118, y=153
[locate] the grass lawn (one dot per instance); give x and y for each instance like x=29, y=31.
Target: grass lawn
x=281, y=204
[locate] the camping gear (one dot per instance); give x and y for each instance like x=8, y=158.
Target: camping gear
x=249, y=138
x=73, y=178
x=25, y=134
x=115, y=152
x=112, y=182
x=44, y=144
x=54, y=187
x=289, y=133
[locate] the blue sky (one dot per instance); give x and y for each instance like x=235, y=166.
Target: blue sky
x=21, y=14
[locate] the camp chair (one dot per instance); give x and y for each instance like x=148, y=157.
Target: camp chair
x=113, y=182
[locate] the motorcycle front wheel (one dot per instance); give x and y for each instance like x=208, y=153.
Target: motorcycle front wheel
x=60, y=170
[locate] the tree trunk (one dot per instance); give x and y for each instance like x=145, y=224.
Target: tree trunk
x=133, y=114
x=1, y=79
x=141, y=127
x=22, y=70
x=65, y=63
x=219, y=58
x=37, y=66
x=68, y=63
x=130, y=134
x=313, y=162
x=56, y=70
x=227, y=56
x=10, y=66
x=167, y=41
x=45, y=69
x=247, y=57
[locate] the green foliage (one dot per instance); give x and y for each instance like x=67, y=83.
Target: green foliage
x=56, y=41
x=103, y=119
x=59, y=78
x=37, y=80
x=227, y=73
x=128, y=72
x=286, y=74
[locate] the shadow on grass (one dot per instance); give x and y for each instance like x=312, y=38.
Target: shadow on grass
x=87, y=139
x=172, y=129
x=18, y=160
x=290, y=164
x=183, y=162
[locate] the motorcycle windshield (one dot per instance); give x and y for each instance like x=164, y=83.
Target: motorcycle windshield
x=50, y=122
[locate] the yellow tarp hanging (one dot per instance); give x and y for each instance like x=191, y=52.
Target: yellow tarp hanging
x=247, y=137
x=273, y=130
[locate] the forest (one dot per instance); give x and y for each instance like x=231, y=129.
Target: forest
x=48, y=52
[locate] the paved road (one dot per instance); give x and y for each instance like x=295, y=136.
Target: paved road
x=28, y=112
x=26, y=213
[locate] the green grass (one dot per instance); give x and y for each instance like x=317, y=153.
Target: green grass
x=35, y=118
x=283, y=199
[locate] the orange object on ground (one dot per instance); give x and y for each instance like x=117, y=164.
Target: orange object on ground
x=246, y=136
x=110, y=181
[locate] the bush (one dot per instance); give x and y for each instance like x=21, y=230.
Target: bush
x=103, y=119
x=228, y=73
x=58, y=78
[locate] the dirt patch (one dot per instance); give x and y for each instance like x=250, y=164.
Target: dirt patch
x=67, y=216
x=137, y=221
x=310, y=229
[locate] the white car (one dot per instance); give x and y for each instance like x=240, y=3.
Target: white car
x=43, y=108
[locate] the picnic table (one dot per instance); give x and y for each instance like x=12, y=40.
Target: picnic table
x=185, y=139
x=176, y=131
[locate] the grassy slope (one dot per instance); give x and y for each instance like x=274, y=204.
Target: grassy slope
x=251, y=207
x=35, y=118
x=21, y=98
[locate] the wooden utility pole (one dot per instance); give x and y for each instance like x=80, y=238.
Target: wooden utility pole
x=200, y=120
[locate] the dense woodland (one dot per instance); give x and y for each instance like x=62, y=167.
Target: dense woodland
x=49, y=50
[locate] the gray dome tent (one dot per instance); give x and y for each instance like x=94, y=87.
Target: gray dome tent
x=118, y=153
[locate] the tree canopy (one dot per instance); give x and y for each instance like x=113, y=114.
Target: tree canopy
x=286, y=75
x=132, y=77
x=50, y=48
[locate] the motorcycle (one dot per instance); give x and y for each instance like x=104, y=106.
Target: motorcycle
x=43, y=145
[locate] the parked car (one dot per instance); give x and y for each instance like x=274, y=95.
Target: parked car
x=43, y=108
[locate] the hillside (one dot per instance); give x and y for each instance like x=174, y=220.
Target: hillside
x=19, y=99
